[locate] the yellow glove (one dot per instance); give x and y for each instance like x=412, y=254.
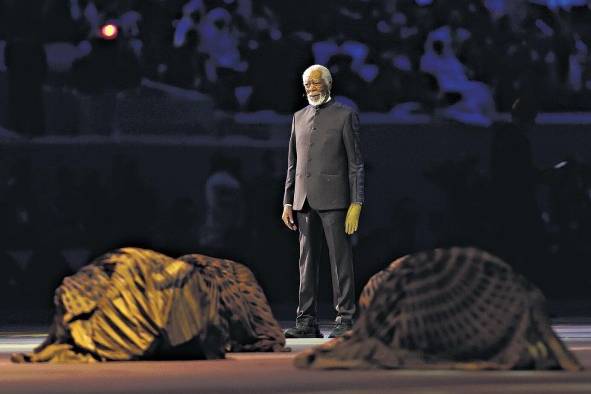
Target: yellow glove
x=352, y=220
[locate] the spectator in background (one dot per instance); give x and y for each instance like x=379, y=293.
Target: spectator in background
x=224, y=67
x=185, y=64
x=223, y=234
x=577, y=61
x=452, y=36
x=157, y=36
x=111, y=67
x=352, y=90
x=387, y=88
x=267, y=49
x=193, y=12
x=64, y=21
x=473, y=102
x=290, y=54
x=89, y=13
x=516, y=218
x=129, y=23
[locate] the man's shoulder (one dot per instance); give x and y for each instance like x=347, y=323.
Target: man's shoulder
x=301, y=111
x=343, y=108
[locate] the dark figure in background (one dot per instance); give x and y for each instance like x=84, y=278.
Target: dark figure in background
x=155, y=32
x=185, y=64
x=111, y=65
x=517, y=222
x=290, y=54
x=223, y=232
x=342, y=67
x=27, y=67
x=325, y=177
x=109, y=68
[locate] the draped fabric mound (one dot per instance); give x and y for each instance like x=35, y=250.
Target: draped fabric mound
x=458, y=308
x=137, y=304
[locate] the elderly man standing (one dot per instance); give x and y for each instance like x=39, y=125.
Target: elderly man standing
x=324, y=186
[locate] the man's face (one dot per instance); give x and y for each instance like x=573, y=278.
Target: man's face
x=316, y=88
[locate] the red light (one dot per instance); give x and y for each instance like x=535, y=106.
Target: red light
x=109, y=31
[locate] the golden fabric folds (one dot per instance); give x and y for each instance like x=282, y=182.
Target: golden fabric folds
x=134, y=304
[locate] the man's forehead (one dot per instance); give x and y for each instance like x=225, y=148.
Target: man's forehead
x=315, y=74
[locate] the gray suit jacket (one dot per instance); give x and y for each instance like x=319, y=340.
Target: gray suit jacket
x=324, y=162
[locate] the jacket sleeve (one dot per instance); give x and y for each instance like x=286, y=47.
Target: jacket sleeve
x=354, y=158
x=291, y=167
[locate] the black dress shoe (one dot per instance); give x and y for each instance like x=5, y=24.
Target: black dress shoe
x=303, y=331
x=341, y=328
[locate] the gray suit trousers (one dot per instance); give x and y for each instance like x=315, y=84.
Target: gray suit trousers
x=312, y=223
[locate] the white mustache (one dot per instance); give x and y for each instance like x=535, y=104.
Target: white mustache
x=321, y=98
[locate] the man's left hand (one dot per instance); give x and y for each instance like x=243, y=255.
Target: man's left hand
x=352, y=219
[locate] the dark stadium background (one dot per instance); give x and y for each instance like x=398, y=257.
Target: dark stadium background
x=173, y=134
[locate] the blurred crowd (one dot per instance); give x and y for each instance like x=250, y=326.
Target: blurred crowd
x=467, y=59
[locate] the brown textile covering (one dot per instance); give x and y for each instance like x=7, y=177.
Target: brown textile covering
x=137, y=304
x=458, y=308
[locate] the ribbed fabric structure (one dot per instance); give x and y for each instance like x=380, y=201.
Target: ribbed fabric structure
x=458, y=308
x=134, y=304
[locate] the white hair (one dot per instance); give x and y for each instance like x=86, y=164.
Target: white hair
x=325, y=74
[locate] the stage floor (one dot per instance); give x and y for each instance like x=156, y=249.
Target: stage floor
x=274, y=373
